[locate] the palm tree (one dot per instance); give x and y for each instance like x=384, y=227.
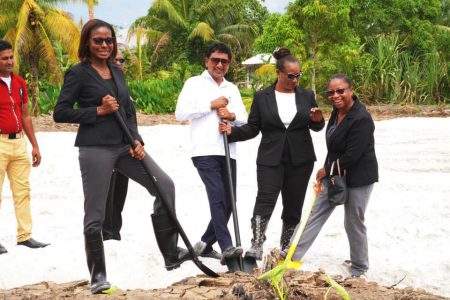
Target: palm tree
x=154, y=40
x=188, y=21
x=90, y=4
x=32, y=27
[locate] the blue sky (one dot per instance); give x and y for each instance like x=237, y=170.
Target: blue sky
x=124, y=12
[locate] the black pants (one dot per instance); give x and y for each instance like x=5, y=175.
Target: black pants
x=115, y=202
x=96, y=166
x=213, y=172
x=291, y=180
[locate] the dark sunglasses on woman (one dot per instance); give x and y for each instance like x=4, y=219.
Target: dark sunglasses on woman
x=330, y=93
x=293, y=76
x=99, y=41
x=216, y=60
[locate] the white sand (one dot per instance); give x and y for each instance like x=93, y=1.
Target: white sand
x=408, y=217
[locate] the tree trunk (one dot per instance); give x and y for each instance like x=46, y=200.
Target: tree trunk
x=91, y=9
x=34, y=88
x=314, y=64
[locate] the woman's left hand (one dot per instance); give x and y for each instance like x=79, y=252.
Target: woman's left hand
x=321, y=174
x=316, y=115
x=137, y=152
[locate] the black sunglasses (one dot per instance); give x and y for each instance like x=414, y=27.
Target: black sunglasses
x=293, y=75
x=120, y=60
x=340, y=91
x=223, y=61
x=99, y=41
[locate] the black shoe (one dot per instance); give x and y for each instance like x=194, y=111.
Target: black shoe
x=32, y=243
x=212, y=254
x=230, y=252
x=3, y=249
x=111, y=236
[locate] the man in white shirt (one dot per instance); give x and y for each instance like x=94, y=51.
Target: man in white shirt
x=205, y=100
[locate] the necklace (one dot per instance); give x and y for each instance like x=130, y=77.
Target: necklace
x=105, y=73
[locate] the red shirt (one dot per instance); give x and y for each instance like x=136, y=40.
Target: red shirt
x=11, y=104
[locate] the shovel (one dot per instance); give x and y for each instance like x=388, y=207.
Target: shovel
x=171, y=214
x=276, y=274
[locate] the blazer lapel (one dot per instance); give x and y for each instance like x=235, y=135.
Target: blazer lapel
x=346, y=121
x=298, y=100
x=94, y=74
x=272, y=104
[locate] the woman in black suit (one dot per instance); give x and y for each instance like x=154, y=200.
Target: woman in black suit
x=99, y=89
x=284, y=113
x=350, y=139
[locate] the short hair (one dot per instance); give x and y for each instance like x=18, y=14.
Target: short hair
x=5, y=45
x=342, y=77
x=219, y=47
x=346, y=79
x=283, y=56
x=84, y=54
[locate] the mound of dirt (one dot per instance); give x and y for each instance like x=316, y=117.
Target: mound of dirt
x=301, y=285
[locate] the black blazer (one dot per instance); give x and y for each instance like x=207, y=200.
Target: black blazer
x=83, y=85
x=354, y=144
x=264, y=117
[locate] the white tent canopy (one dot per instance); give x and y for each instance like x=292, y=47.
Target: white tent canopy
x=259, y=59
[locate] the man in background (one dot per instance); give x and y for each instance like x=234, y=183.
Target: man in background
x=14, y=161
x=118, y=188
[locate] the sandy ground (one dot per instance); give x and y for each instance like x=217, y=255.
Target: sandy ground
x=408, y=222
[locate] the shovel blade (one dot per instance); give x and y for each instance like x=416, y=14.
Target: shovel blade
x=249, y=264
x=234, y=264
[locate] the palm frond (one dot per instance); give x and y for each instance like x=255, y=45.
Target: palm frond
x=167, y=8
x=61, y=27
x=203, y=31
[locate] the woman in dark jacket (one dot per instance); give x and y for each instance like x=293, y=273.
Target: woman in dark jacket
x=350, y=138
x=284, y=113
x=99, y=89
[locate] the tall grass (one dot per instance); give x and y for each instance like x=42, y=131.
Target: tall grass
x=388, y=73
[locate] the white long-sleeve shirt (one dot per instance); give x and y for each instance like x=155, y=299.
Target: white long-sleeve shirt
x=194, y=104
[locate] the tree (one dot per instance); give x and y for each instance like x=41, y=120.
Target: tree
x=191, y=24
x=325, y=26
x=32, y=27
x=91, y=4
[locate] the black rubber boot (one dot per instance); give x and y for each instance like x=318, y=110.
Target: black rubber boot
x=95, y=256
x=286, y=233
x=167, y=238
x=259, y=226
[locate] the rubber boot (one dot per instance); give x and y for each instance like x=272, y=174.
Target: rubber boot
x=95, y=256
x=259, y=226
x=286, y=233
x=167, y=238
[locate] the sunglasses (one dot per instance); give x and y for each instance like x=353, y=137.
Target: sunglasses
x=120, y=60
x=294, y=75
x=223, y=61
x=100, y=41
x=341, y=91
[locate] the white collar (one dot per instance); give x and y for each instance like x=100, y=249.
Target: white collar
x=206, y=74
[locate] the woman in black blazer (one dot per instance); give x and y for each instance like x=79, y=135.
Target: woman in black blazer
x=350, y=139
x=98, y=88
x=284, y=113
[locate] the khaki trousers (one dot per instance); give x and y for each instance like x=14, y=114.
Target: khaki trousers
x=15, y=162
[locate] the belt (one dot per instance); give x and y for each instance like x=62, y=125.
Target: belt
x=11, y=136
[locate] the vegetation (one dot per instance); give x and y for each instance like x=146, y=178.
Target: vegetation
x=396, y=51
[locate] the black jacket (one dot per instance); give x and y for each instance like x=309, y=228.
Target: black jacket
x=84, y=86
x=264, y=117
x=353, y=143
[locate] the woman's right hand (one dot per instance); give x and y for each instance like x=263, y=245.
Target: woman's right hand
x=109, y=106
x=321, y=174
x=225, y=126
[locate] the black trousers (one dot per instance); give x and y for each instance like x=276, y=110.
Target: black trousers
x=96, y=166
x=115, y=202
x=213, y=172
x=291, y=181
